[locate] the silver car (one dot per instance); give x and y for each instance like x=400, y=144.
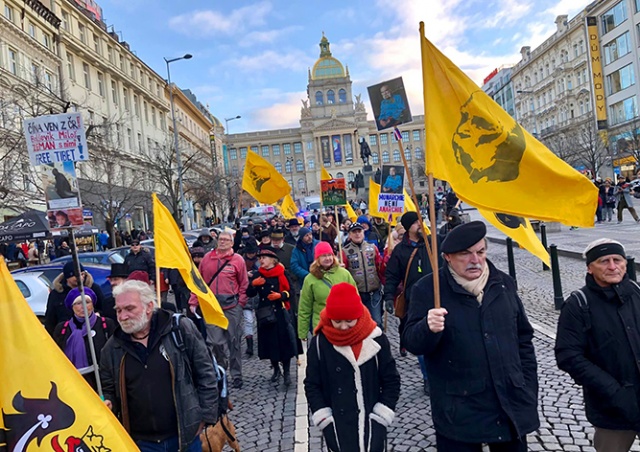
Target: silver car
x=35, y=288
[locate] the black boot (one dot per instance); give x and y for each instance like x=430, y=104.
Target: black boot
x=287, y=376
x=276, y=371
x=249, y=340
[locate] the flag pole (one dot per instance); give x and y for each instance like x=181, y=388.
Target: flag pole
x=158, y=285
x=431, y=188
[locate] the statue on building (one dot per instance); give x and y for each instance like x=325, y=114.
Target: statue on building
x=365, y=151
x=305, y=111
x=359, y=104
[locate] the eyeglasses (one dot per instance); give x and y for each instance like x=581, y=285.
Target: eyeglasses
x=224, y=240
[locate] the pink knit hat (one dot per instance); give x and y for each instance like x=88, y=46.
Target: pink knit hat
x=321, y=249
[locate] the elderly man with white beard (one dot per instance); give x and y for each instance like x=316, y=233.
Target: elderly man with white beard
x=170, y=384
x=478, y=348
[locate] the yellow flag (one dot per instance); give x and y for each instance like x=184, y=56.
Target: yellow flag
x=172, y=252
x=46, y=404
x=324, y=174
x=262, y=181
x=490, y=160
x=409, y=206
x=520, y=230
x=289, y=209
x=350, y=213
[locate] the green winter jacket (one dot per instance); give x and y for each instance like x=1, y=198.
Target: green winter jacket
x=313, y=296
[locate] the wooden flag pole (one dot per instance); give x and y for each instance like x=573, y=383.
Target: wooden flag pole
x=432, y=197
x=158, y=286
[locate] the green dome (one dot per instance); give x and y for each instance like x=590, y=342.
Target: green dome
x=326, y=66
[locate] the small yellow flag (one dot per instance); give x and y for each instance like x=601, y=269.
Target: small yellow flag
x=324, y=174
x=262, y=181
x=520, y=230
x=490, y=160
x=350, y=213
x=45, y=403
x=289, y=209
x=172, y=252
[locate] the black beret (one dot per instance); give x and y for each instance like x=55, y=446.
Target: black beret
x=463, y=237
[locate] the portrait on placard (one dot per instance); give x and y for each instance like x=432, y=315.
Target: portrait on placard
x=389, y=103
x=392, y=178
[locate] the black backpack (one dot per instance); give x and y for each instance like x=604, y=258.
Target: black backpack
x=221, y=374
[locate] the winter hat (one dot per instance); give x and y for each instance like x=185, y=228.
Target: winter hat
x=302, y=232
x=69, y=270
x=362, y=219
x=75, y=293
x=139, y=275
x=251, y=247
x=463, y=237
x=322, y=248
x=408, y=219
x=344, y=303
x=197, y=251
x=268, y=251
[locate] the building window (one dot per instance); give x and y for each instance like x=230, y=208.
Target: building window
x=87, y=75
x=620, y=79
x=65, y=20
x=288, y=167
x=396, y=156
x=101, y=84
x=136, y=105
x=121, y=58
x=351, y=176
x=309, y=145
x=110, y=54
x=331, y=97
x=342, y=96
x=393, y=138
x=234, y=171
x=416, y=135
x=243, y=153
x=286, y=148
x=617, y=48
x=375, y=157
x=97, y=45
x=48, y=80
x=339, y=175
x=139, y=141
x=125, y=98
x=405, y=136
x=130, y=139
x=8, y=13
x=385, y=157
x=13, y=62
x=233, y=153
x=146, y=112
x=418, y=152
x=407, y=154
x=297, y=148
x=373, y=140
x=32, y=30
x=276, y=150
x=637, y=6
x=614, y=17
x=299, y=166
x=278, y=167
x=319, y=98
x=300, y=184
x=46, y=40
x=265, y=151
x=622, y=111
x=82, y=33
x=114, y=92
x=312, y=164
x=153, y=117
x=383, y=138
x=35, y=73
x=71, y=67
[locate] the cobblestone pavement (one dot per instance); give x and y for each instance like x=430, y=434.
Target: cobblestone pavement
x=264, y=413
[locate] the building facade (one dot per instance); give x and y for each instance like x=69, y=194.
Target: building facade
x=332, y=122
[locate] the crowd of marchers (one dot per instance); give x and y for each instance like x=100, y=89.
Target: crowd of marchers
x=288, y=289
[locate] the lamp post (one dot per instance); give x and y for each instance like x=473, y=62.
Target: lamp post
x=226, y=132
x=183, y=205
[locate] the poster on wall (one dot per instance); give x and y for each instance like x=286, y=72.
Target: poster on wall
x=64, y=207
x=347, y=148
x=337, y=148
x=326, y=151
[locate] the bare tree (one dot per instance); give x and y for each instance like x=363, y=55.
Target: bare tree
x=589, y=147
x=562, y=144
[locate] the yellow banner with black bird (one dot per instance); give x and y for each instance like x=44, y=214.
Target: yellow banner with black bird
x=262, y=181
x=172, y=252
x=490, y=160
x=45, y=403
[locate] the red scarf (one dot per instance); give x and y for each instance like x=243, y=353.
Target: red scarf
x=353, y=336
x=283, y=282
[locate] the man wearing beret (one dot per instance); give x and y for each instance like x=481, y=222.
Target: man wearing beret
x=478, y=349
x=598, y=344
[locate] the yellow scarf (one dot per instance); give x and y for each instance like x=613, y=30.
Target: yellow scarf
x=475, y=286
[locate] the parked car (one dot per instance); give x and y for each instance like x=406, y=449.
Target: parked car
x=189, y=236
x=35, y=288
x=98, y=257
x=52, y=270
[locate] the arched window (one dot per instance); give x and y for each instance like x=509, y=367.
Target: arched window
x=300, y=184
x=331, y=97
x=351, y=176
x=342, y=96
x=396, y=156
x=288, y=167
x=278, y=166
x=407, y=154
x=339, y=176
x=376, y=158
x=385, y=157
x=319, y=98
x=311, y=163
x=418, y=153
x=299, y=166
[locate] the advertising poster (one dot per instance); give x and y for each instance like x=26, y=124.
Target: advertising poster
x=337, y=148
x=326, y=152
x=389, y=103
x=64, y=208
x=334, y=192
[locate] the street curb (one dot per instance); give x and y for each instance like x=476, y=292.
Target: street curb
x=302, y=409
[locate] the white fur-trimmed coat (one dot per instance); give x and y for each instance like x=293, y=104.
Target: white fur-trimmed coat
x=352, y=401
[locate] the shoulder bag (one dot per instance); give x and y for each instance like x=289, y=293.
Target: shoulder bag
x=400, y=304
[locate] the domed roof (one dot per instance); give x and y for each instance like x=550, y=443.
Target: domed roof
x=326, y=66
x=216, y=121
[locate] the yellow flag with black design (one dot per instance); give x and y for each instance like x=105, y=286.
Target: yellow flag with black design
x=289, y=209
x=520, y=230
x=45, y=403
x=262, y=181
x=488, y=158
x=172, y=252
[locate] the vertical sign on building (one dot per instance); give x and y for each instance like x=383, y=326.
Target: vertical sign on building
x=596, y=72
x=337, y=149
x=326, y=153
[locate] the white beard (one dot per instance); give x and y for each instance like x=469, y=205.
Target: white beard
x=133, y=326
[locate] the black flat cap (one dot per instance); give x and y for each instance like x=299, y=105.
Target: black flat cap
x=463, y=237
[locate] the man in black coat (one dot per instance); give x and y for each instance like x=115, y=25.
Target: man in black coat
x=599, y=346
x=140, y=259
x=478, y=349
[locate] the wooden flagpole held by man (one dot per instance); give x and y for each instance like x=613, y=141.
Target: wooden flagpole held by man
x=432, y=250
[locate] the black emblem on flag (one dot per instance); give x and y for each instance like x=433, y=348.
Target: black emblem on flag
x=511, y=221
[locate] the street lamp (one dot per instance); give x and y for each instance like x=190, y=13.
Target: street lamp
x=226, y=121
x=186, y=56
